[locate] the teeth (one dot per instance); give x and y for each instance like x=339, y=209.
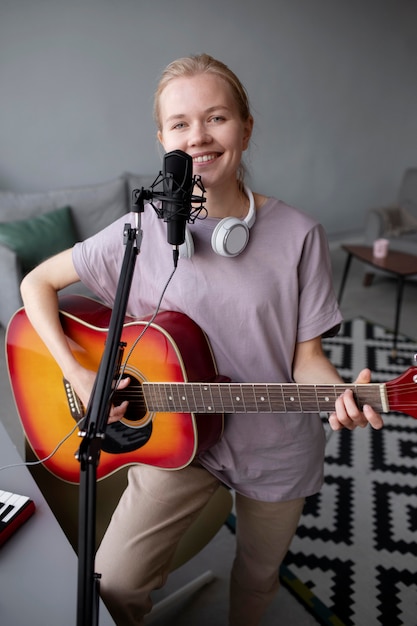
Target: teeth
x=204, y=159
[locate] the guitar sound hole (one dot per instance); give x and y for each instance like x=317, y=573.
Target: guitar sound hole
x=123, y=436
x=136, y=409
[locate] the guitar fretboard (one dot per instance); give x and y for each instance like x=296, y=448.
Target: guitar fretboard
x=257, y=397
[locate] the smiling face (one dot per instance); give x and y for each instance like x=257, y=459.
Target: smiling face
x=199, y=115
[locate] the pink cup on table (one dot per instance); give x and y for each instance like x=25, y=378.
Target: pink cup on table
x=380, y=248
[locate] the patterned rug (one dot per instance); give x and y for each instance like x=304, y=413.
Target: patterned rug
x=353, y=561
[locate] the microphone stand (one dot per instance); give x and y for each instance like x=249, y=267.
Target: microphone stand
x=94, y=428
x=95, y=423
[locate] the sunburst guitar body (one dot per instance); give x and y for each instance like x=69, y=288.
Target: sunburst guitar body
x=173, y=348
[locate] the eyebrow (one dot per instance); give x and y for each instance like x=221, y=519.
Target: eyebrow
x=180, y=116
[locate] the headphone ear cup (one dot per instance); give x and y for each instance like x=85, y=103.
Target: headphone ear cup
x=230, y=237
x=187, y=248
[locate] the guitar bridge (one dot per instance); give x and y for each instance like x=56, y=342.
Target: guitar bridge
x=75, y=405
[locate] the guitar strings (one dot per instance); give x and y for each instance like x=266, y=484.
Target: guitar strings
x=282, y=388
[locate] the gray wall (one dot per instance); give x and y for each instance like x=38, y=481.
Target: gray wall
x=333, y=87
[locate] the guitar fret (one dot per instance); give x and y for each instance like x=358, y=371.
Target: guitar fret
x=209, y=402
x=182, y=399
x=194, y=398
x=217, y=401
x=283, y=404
x=263, y=399
x=225, y=393
x=316, y=396
x=227, y=398
x=326, y=396
x=291, y=398
x=200, y=402
x=236, y=393
x=250, y=399
x=156, y=398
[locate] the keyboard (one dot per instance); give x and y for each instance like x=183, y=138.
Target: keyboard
x=14, y=511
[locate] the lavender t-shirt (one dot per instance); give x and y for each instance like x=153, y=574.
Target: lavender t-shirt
x=254, y=308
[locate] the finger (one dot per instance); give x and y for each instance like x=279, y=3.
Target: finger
x=334, y=422
x=339, y=418
x=117, y=412
x=347, y=414
x=123, y=383
x=364, y=377
x=374, y=418
x=354, y=414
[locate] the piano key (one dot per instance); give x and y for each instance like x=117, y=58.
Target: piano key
x=6, y=511
x=12, y=499
x=15, y=509
x=18, y=504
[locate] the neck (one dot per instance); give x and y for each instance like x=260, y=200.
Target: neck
x=229, y=202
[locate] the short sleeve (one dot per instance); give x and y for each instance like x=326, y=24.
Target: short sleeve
x=319, y=312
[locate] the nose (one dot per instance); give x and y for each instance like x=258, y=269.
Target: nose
x=199, y=134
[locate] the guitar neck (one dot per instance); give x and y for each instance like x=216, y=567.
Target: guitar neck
x=257, y=397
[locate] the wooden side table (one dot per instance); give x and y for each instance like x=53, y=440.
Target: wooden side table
x=400, y=264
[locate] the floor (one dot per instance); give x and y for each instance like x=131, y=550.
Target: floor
x=208, y=606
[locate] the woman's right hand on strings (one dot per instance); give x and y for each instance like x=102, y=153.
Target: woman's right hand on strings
x=82, y=381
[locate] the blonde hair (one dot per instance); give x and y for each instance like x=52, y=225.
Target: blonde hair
x=203, y=64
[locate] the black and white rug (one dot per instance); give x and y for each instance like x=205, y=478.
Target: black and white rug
x=353, y=561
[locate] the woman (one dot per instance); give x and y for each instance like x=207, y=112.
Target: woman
x=264, y=310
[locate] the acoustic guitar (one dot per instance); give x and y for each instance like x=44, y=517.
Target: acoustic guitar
x=177, y=400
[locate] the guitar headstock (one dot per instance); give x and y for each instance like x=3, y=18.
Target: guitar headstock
x=402, y=393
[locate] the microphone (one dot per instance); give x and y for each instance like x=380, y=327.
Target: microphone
x=177, y=191
x=178, y=204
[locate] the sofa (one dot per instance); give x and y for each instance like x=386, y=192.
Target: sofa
x=34, y=226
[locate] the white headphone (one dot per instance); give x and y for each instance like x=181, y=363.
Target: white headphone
x=230, y=236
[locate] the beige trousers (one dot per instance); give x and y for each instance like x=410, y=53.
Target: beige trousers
x=153, y=513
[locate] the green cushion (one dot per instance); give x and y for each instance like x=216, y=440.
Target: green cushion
x=40, y=237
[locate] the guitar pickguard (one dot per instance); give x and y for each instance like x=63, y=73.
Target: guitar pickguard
x=120, y=438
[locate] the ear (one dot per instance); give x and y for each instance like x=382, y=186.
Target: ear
x=247, y=132
x=159, y=137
